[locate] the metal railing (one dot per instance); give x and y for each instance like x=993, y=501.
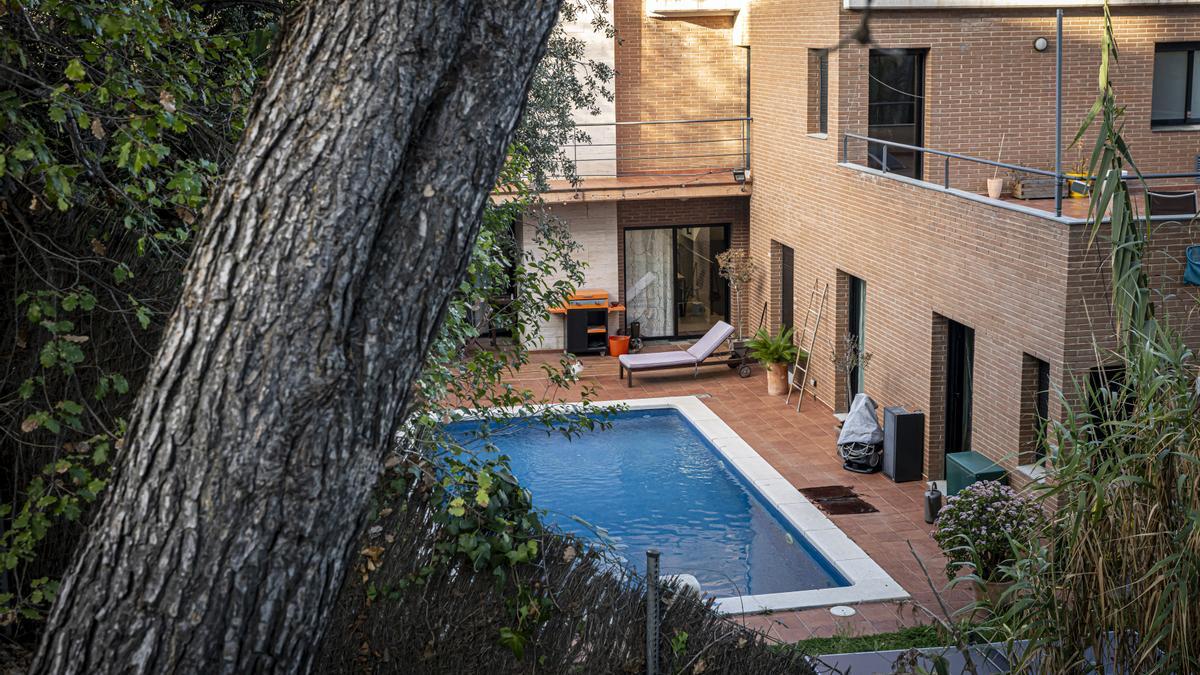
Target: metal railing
x=664, y=147
x=1061, y=180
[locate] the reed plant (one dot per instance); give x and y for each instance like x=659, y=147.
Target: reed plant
x=1113, y=579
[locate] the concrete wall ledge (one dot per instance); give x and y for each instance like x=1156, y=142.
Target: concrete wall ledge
x=681, y=8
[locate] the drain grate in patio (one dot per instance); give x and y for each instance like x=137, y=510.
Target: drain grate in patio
x=837, y=500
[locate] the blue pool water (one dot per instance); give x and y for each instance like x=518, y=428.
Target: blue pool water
x=652, y=481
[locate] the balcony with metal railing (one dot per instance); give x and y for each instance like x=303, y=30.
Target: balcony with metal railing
x=1037, y=191
x=657, y=159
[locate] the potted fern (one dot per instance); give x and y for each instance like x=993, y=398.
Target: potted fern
x=774, y=353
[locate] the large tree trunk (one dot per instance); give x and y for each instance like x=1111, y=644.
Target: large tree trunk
x=320, y=276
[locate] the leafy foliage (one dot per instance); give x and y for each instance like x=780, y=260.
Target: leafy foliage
x=1117, y=566
x=768, y=349
x=978, y=525
x=572, y=610
x=568, y=82
x=1127, y=233
x=1111, y=583
x=115, y=121
x=910, y=637
x=736, y=266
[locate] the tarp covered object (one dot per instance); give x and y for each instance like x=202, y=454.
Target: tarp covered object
x=861, y=425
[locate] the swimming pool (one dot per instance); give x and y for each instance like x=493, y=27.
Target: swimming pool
x=670, y=475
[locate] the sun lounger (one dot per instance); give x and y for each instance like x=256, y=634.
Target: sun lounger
x=693, y=357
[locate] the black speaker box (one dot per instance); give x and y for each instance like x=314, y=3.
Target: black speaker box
x=903, y=444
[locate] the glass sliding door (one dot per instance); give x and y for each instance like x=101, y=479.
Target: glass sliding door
x=649, y=283
x=672, y=283
x=700, y=292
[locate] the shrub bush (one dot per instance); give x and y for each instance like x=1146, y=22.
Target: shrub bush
x=978, y=525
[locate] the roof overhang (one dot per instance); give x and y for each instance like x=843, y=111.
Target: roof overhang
x=638, y=188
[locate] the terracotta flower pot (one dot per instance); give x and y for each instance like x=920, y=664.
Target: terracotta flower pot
x=991, y=591
x=777, y=379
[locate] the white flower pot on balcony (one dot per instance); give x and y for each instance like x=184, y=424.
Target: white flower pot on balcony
x=995, y=187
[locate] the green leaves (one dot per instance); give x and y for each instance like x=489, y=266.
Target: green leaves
x=62, y=353
x=74, y=70
x=768, y=349
x=111, y=164
x=1110, y=198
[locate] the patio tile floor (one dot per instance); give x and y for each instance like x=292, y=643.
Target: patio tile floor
x=802, y=447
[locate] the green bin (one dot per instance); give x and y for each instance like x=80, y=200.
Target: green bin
x=964, y=468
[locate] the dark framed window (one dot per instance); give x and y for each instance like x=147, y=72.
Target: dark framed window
x=1042, y=408
x=1176, y=97
x=818, y=91
x=787, y=287
x=896, y=109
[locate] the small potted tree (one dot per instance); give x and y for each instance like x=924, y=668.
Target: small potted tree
x=847, y=358
x=775, y=353
x=736, y=266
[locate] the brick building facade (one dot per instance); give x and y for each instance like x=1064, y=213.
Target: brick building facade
x=933, y=263
x=1025, y=281
x=679, y=118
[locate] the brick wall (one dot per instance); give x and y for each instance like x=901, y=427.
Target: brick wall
x=671, y=69
x=935, y=415
x=1089, y=319
x=1025, y=284
x=594, y=228
x=985, y=84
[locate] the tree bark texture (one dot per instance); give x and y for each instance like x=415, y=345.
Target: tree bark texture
x=320, y=276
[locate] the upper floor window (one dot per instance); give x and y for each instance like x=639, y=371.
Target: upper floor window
x=1176, y=97
x=818, y=91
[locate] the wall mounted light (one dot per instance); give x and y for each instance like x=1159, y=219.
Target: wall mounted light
x=739, y=175
x=1040, y=44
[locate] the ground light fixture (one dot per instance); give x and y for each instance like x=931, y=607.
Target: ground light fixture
x=1040, y=44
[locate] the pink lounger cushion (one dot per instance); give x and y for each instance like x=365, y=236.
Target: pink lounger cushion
x=656, y=360
x=708, y=344
x=703, y=348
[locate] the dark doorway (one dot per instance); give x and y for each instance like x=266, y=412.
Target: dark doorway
x=857, y=329
x=896, y=109
x=960, y=358
x=1042, y=409
x=787, y=287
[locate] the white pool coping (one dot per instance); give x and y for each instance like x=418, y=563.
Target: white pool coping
x=868, y=581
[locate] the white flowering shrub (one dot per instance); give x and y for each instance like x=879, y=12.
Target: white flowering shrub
x=978, y=525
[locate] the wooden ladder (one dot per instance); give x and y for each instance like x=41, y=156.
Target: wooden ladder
x=808, y=340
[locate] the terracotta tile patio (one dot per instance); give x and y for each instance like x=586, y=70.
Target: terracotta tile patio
x=802, y=447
